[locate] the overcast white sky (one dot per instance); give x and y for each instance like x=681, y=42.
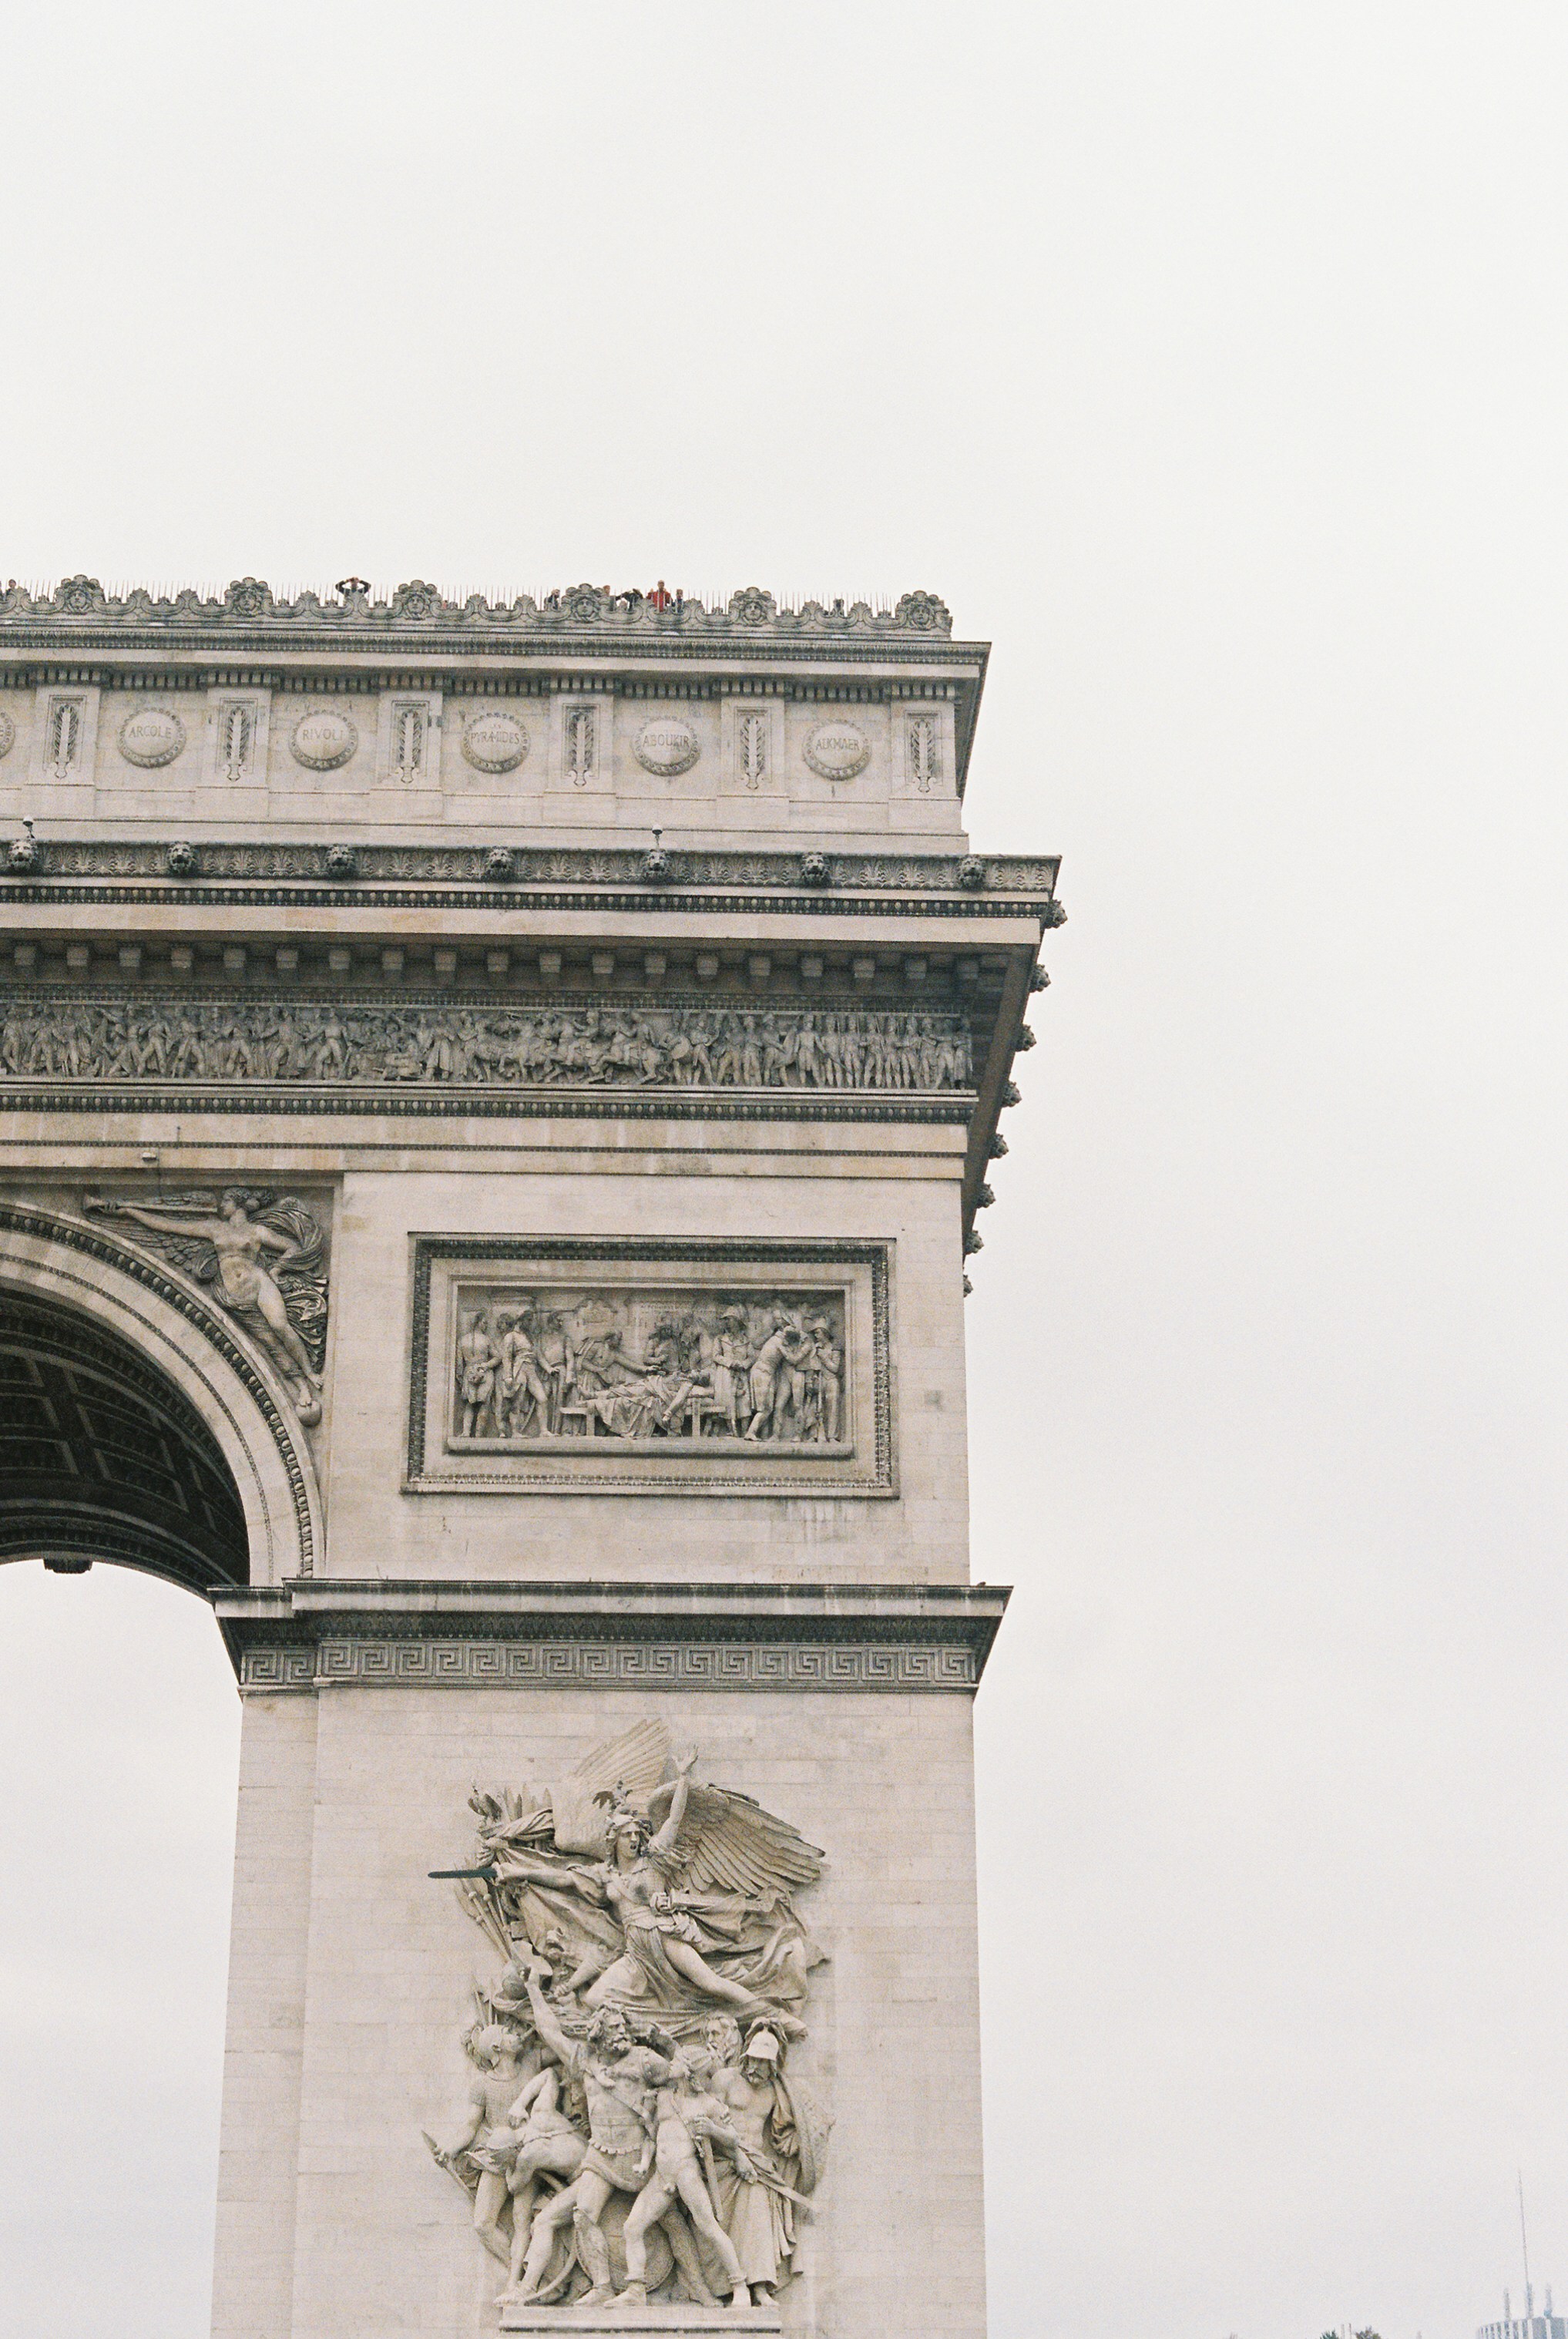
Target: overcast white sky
x=1210, y=358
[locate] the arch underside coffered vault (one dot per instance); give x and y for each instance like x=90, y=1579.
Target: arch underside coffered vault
x=137, y=1422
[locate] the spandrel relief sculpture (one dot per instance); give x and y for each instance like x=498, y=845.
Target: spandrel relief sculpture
x=634, y=2132
x=263, y=1255
x=889, y=1052
x=749, y=1369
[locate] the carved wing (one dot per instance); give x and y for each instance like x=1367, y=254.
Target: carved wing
x=303, y=1280
x=192, y=1254
x=634, y=1761
x=728, y=1843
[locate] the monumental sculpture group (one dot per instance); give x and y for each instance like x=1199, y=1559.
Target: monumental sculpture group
x=494, y=1105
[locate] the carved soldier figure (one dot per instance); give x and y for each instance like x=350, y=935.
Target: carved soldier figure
x=758, y=2214
x=519, y=1380
x=546, y=2144
x=681, y=2115
x=824, y=1377
x=504, y=2063
x=477, y=1358
x=778, y=1381
x=731, y=1369
x=617, y=2077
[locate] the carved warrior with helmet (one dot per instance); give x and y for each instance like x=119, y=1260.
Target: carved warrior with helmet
x=696, y=2151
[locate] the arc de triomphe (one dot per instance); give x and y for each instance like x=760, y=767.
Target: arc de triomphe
x=496, y=1100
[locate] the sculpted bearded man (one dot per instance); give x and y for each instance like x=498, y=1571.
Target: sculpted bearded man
x=617, y=2077
x=759, y=2218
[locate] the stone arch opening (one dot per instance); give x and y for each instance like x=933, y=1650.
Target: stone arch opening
x=103, y=1457
x=138, y=1421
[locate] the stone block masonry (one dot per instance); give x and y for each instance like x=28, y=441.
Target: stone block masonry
x=494, y=1105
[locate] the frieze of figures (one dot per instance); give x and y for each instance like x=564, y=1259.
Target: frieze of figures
x=745, y=1368
x=637, y=2132
x=252, y=1041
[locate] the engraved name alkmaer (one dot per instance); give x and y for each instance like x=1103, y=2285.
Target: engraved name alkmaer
x=167, y=1039
x=749, y=1369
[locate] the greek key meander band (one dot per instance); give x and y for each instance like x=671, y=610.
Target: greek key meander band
x=862, y=1665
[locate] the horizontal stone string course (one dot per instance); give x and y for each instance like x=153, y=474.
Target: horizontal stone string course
x=374, y=864
x=252, y=1040
x=857, y=1666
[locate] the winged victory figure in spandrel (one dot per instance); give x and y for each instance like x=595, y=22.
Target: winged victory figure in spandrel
x=685, y=1908
x=263, y=1255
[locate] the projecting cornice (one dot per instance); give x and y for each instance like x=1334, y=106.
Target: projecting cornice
x=971, y=884
x=865, y=1638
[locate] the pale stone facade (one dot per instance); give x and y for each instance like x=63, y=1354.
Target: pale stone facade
x=495, y=1102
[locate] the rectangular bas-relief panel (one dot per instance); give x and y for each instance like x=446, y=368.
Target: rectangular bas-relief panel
x=649, y=1366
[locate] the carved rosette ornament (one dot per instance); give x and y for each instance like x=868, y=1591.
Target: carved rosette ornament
x=637, y=2132
x=7, y=734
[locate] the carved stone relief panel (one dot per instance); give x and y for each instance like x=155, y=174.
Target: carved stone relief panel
x=922, y=751
x=753, y=747
x=676, y=1367
x=153, y=1041
x=259, y=1253
x=643, y=2021
x=582, y=745
x=65, y=736
x=838, y=749
x=667, y=745
x=409, y=741
x=667, y=748
x=235, y=748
